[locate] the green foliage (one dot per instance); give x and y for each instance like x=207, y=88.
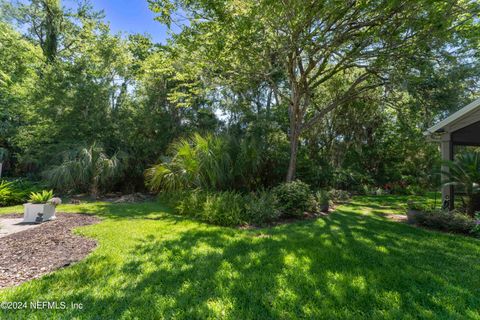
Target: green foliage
x=339, y=196
x=224, y=208
x=476, y=226
x=85, y=169
x=66, y=82
x=16, y=191
x=348, y=179
x=221, y=208
x=295, y=198
x=199, y=162
x=322, y=197
x=210, y=162
x=227, y=208
x=6, y=193
x=447, y=221
x=3, y=154
x=415, y=190
x=314, y=62
x=41, y=197
x=464, y=172
x=418, y=206
x=261, y=206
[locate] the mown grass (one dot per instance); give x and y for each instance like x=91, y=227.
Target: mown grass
x=353, y=264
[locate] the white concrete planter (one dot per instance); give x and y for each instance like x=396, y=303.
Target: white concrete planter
x=31, y=211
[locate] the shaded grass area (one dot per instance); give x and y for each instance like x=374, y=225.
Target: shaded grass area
x=353, y=264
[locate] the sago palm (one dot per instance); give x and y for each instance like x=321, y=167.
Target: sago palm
x=464, y=172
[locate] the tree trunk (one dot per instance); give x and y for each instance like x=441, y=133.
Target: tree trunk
x=94, y=189
x=1, y=164
x=295, y=124
x=296, y=117
x=292, y=167
x=52, y=16
x=470, y=207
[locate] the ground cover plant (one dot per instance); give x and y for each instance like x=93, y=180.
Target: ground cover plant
x=355, y=263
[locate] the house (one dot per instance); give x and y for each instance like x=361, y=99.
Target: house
x=460, y=129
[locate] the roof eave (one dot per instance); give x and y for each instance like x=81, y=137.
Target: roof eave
x=457, y=115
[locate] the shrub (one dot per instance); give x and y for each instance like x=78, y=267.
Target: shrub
x=208, y=162
x=261, y=207
x=397, y=188
x=322, y=197
x=367, y=190
x=295, y=198
x=476, y=225
x=339, y=195
x=6, y=193
x=464, y=172
x=350, y=179
x=453, y=221
x=171, y=199
x=418, y=206
x=190, y=203
x=379, y=192
x=415, y=190
x=16, y=191
x=226, y=208
x=87, y=168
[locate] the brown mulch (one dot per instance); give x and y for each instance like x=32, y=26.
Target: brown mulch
x=34, y=252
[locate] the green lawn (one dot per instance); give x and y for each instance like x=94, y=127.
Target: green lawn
x=353, y=264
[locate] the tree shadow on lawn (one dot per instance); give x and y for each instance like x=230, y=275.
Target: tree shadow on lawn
x=149, y=210
x=395, y=201
x=343, y=266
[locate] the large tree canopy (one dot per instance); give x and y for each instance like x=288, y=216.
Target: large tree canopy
x=336, y=93
x=300, y=48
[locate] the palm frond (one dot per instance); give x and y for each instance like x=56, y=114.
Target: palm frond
x=83, y=168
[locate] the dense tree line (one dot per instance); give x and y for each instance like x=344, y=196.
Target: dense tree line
x=336, y=93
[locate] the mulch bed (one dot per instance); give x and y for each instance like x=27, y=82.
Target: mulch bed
x=31, y=253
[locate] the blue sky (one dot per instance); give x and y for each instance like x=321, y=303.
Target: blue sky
x=130, y=16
